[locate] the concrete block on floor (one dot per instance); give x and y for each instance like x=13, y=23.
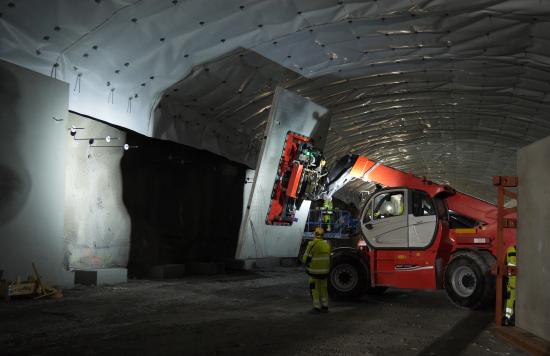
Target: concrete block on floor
x=169, y=271
x=268, y=262
x=101, y=276
x=289, y=262
x=206, y=268
x=240, y=265
x=262, y=263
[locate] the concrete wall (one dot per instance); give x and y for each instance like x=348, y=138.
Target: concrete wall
x=97, y=225
x=533, y=258
x=61, y=201
x=32, y=159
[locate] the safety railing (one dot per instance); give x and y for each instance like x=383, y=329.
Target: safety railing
x=337, y=223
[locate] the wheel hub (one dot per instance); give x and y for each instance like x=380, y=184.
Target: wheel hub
x=344, y=277
x=464, y=281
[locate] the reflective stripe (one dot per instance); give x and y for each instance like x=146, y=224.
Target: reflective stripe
x=512, y=264
x=509, y=312
x=318, y=270
x=321, y=258
x=324, y=258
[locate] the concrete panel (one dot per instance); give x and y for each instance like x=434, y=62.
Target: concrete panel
x=240, y=265
x=290, y=262
x=267, y=262
x=167, y=271
x=206, y=268
x=97, y=225
x=185, y=204
x=289, y=112
x=262, y=263
x=533, y=289
x=33, y=113
x=101, y=276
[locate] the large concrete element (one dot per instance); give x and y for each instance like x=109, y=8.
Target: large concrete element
x=533, y=289
x=289, y=112
x=184, y=203
x=33, y=112
x=97, y=225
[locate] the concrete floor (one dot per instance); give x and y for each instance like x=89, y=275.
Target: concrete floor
x=262, y=313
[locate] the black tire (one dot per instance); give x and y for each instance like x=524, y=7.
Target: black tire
x=348, y=277
x=468, y=280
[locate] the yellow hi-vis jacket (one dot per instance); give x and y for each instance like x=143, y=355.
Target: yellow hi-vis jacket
x=317, y=258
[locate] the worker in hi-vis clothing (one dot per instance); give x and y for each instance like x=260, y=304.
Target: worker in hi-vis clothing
x=317, y=262
x=510, y=287
x=328, y=210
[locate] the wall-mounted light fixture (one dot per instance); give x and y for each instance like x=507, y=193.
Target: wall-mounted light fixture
x=91, y=140
x=73, y=131
x=126, y=146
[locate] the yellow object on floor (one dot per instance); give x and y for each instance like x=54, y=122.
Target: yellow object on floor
x=33, y=286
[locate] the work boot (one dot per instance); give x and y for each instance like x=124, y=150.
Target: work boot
x=324, y=310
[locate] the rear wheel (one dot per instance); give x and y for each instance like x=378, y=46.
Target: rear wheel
x=348, y=277
x=468, y=281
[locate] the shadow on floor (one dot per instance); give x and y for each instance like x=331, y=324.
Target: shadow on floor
x=460, y=336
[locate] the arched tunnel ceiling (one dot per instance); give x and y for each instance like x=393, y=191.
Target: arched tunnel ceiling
x=446, y=89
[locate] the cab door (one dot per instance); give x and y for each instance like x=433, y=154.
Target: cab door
x=400, y=225
x=385, y=220
x=422, y=220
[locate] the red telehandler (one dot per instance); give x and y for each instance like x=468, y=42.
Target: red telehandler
x=415, y=233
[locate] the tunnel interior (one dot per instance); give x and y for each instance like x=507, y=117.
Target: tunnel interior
x=132, y=134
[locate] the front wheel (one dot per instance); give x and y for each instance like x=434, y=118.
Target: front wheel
x=468, y=281
x=348, y=277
